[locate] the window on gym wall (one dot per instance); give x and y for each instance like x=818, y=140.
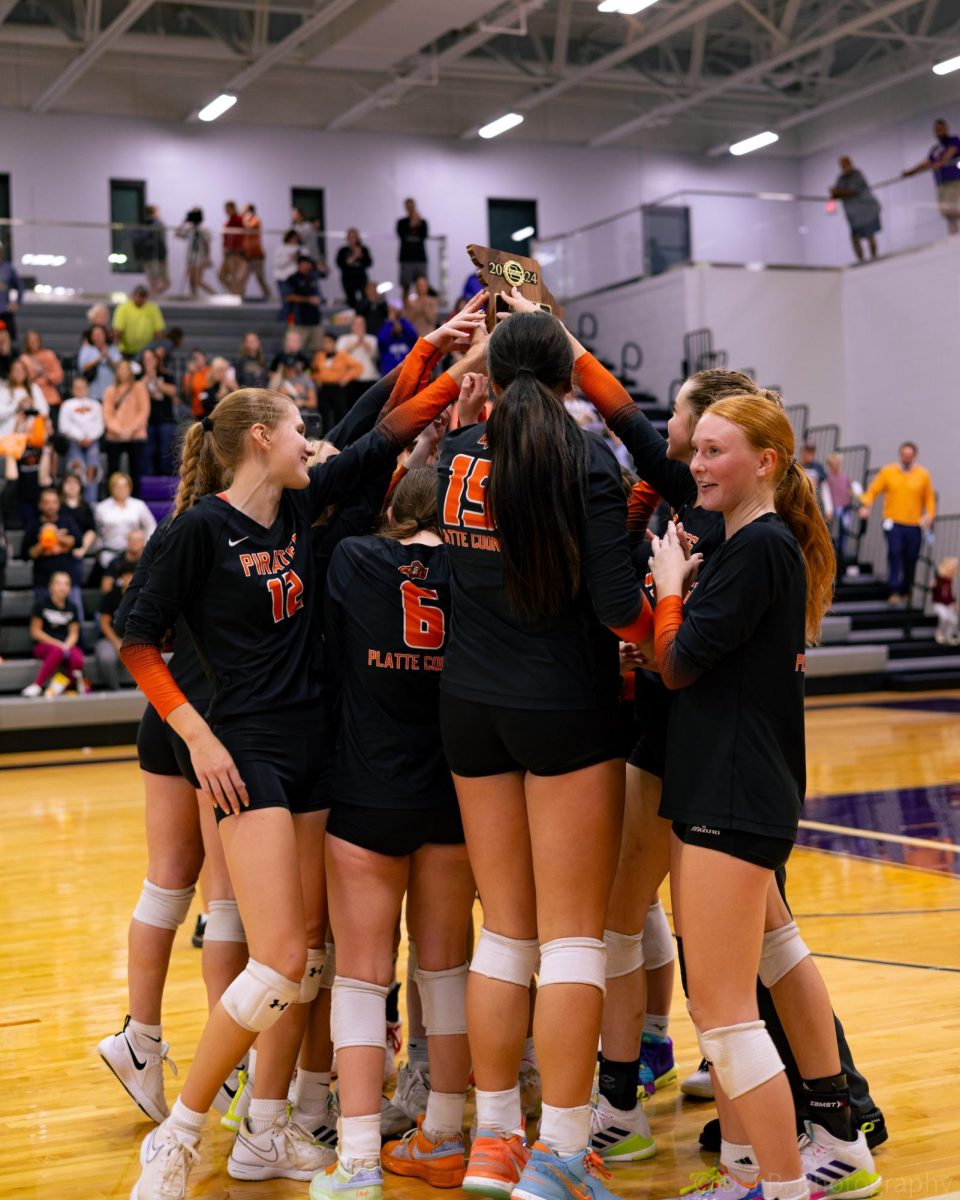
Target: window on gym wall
x=666, y=237
x=128, y=198
x=512, y=225
x=6, y=231
x=310, y=203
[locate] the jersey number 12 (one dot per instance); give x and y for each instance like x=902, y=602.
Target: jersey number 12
x=285, y=605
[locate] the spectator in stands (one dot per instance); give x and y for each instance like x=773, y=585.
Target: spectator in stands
x=198, y=251
x=166, y=346
x=396, y=339
x=99, y=314
x=361, y=346
x=150, y=247
x=118, y=515
x=308, y=234
x=296, y=383
x=26, y=429
x=860, y=207
x=332, y=371
x=43, y=368
x=373, y=308
x=843, y=493
x=412, y=232
x=136, y=322
x=81, y=423
x=353, y=262
x=98, y=360
x=292, y=344
x=107, y=649
x=6, y=350
x=305, y=301
x=253, y=250
x=73, y=502
x=162, y=422
x=909, y=508
x=233, y=268
x=7, y=495
x=944, y=161
x=126, y=414
x=11, y=289
x=125, y=563
x=222, y=383
x=420, y=306
x=251, y=367
x=55, y=630
x=283, y=265
x=50, y=535
x=815, y=471
x=195, y=382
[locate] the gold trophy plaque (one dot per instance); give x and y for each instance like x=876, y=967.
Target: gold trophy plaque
x=500, y=270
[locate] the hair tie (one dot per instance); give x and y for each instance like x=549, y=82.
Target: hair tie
x=207, y=425
x=525, y=371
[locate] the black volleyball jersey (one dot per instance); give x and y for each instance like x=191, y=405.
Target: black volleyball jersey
x=246, y=590
x=185, y=665
x=735, y=743
x=564, y=662
x=387, y=616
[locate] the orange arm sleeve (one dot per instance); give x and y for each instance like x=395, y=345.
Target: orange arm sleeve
x=403, y=423
x=397, y=476
x=606, y=394
x=640, y=628
x=153, y=676
x=414, y=374
x=641, y=505
x=667, y=619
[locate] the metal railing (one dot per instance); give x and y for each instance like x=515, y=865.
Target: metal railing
x=60, y=260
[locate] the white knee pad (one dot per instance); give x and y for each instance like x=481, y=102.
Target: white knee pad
x=624, y=953
x=358, y=1014
x=329, y=972
x=658, y=947
x=443, y=997
x=743, y=1056
x=163, y=908
x=573, y=960
x=312, y=975
x=258, y=996
x=512, y=960
x=223, y=923
x=782, y=949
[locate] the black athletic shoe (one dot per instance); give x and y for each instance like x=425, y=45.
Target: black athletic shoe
x=198, y=930
x=873, y=1127
x=710, y=1136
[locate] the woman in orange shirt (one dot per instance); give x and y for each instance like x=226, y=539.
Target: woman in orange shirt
x=126, y=412
x=253, y=249
x=43, y=368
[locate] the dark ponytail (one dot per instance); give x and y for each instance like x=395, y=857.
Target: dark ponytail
x=536, y=495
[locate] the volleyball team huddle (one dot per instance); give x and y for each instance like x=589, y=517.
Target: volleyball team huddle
x=395, y=683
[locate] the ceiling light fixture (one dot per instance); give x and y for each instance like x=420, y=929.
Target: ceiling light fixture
x=521, y=235
x=500, y=125
x=626, y=8
x=948, y=65
x=757, y=142
x=216, y=108
x=383, y=288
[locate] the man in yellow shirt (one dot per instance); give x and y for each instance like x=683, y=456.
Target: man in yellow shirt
x=909, y=507
x=136, y=322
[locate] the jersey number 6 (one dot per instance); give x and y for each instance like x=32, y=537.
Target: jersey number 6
x=294, y=588
x=423, y=625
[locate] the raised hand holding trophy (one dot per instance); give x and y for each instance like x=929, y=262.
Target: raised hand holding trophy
x=500, y=270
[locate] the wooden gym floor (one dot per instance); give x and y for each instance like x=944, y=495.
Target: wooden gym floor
x=879, y=905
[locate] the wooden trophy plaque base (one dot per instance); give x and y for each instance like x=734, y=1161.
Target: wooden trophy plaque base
x=499, y=271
